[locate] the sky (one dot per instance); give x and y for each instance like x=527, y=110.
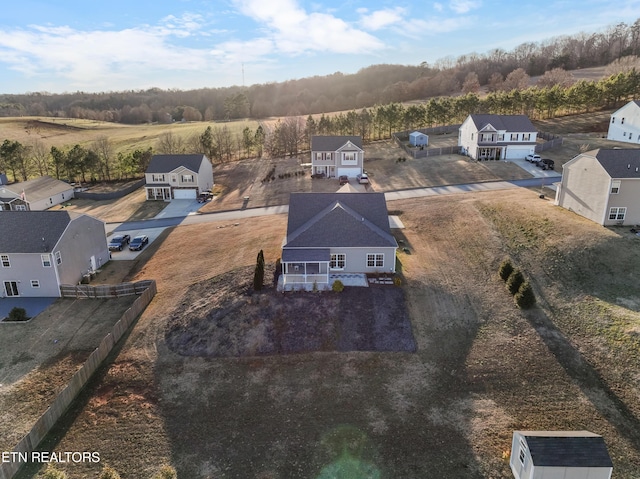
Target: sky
x=58, y=46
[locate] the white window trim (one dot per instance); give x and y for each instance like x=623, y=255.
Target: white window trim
x=347, y=160
x=374, y=257
x=35, y=283
x=58, y=256
x=615, y=187
x=344, y=261
x=522, y=453
x=45, y=259
x=616, y=212
x=4, y=258
x=187, y=179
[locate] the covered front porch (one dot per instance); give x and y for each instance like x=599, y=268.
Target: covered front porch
x=489, y=153
x=304, y=267
x=158, y=192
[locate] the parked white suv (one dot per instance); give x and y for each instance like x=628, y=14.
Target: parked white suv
x=533, y=159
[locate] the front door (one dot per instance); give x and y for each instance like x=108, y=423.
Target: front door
x=11, y=288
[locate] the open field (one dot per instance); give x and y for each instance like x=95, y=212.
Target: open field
x=482, y=368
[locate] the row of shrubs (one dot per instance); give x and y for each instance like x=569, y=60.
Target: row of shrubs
x=290, y=175
x=517, y=285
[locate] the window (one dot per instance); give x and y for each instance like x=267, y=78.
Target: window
x=46, y=260
x=20, y=208
x=617, y=213
x=624, y=134
x=615, y=187
x=622, y=121
x=337, y=261
x=501, y=137
x=349, y=158
x=186, y=178
x=35, y=283
x=5, y=261
x=526, y=136
x=613, y=120
x=375, y=260
x=58, y=257
x=522, y=455
x=327, y=156
x=157, y=177
x=514, y=137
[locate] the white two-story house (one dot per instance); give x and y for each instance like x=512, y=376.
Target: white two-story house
x=334, y=156
x=174, y=177
x=625, y=124
x=497, y=137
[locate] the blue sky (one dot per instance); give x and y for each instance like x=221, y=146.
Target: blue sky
x=112, y=45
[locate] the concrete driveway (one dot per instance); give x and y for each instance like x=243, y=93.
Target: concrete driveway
x=535, y=171
x=179, y=208
x=126, y=254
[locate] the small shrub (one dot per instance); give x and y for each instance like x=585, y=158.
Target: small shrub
x=17, y=314
x=109, y=473
x=337, y=286
x=525, y=298
x=514, y=281
x=506, y=268
x=397, y=281
x=315, y=287
x=166, y=472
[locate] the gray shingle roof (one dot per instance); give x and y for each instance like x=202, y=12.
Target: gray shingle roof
x=333, y=143
x=39, y=188
x=515, y=123
x=619, y=163
x=167, y=163
x=324, y=220
x=23, y=231
x=568, y=451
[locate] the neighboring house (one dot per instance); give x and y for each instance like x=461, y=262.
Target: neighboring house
x=38, y=194
x=625, y=123
x=602, y=185
x=174, y=177
x=40, y=250
x=559, y=455
x=337, y=155
x=497, y=137
x=336, y=233
x=418, y=139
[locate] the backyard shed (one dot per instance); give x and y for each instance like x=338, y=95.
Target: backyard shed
x=418, y=139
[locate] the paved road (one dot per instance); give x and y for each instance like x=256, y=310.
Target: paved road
x=196, y=218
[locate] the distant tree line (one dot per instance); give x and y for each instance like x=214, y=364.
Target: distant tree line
x=374, y=85
x=290, y=135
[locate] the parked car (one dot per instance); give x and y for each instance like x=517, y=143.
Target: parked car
x=533, y=159
x=204, y=196
x=118, y=242
x=363, y=178
x=344, y=179
x=138, y=242
x=546, y=164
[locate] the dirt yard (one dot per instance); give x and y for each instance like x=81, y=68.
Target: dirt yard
x=482, y=367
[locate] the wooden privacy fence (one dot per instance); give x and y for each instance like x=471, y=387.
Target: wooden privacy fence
x=63, y=400
x=102, y=291
x=111, y=195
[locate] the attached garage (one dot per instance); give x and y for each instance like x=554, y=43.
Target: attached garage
x=517, y=152
x=350, y=172
x=184, y=194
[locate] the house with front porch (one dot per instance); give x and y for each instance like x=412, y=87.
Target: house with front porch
x=37, y=194
x=625, y=123
x=335, y=234
x=170, y=177
x=497, y=137
x=334, y=156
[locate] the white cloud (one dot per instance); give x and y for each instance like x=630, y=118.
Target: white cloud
x=383, y=18
x=438, y=7
x=464, y=6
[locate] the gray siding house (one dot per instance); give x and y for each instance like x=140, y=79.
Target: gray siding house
x=38, y=194
x=40, y=250
x=559, y=455
x=170, y=177
x=497, y=137
x=334, y=156
x=336, y=233
x=602, y=185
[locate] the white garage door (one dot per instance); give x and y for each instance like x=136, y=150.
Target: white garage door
x=518, y=152
x=189, y=194
x=350, y=172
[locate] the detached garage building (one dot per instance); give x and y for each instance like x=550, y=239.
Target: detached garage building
x=497, y=137
x=178, y=177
